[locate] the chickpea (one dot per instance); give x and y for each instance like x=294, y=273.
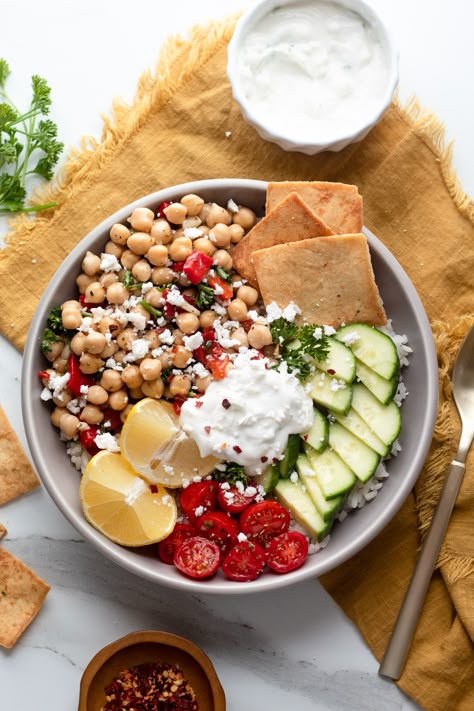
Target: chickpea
x=83, y=281
x=204, y=245
x=191, y=222
x=162, y=275
x=55, y=351
x=119, y=355
x=245, y=217
x=108, y=351
x=175, y=213
x=180, y=249
x=92, y=414
x=153, y=340
x=142, y=270
x=179, y=232
x=115, y=249
x=180, y=385
x=62, y=399
x=56, y=415
x=135, y=394
x=217, y=214
x=240, y=335
x=139, y=309
x=119, y=234
x=220, y=235
x=161, y=231
x=166, y=359
x=178, y=337
x=192, y=203
x=71, y=318
x=237, y=310
x=118, y=400
x=248, y=294
x=71, y=304
x=109, y=325
x=128, y=259
x=153, y=388
x=188, y=323
x=91, y=264
x=60, y=365
x=125, y=338
x=97, y=395
x=183, y=279
x=223, y=259
x=207, y=318
x=132, y=376
x=117, y=293
x=202, y=383
x=153, y=297
x=150, y=368
x=142, y=219
x=259, y=335
x=95, y=293
x=108, y=278
x=236, y=233
x=158, y=255
x=140, y=242
x=125, y=411
x=69, y=425
x=181, y=356
x=95, y=342
x=90, y=363
x=111, y=380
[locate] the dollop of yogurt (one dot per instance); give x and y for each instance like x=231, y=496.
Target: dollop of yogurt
x=247, y=416
x=313, y=68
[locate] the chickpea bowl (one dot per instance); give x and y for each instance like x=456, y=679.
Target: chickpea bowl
x=95, y=395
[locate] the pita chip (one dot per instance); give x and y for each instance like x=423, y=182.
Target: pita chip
x=289, y=221
x=3, y=531
x=330, y=278
x=16, y=473
x=22, y=594
x=337, y=204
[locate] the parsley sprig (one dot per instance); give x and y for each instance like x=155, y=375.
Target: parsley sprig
x=28, y=144
x=54, y=330
x=205, y=296
x=232, y=474
x=298, y=346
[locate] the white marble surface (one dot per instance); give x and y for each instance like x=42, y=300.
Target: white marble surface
x=293, y=648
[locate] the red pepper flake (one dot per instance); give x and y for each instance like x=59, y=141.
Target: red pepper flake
x=305, y=437
x=237, y=449
x=43, y=374
x=198, y=403
x=153, y=488
x=207, y=429
x=150, y=687
x=331, y=371
x=264, y=459
x=225, y=404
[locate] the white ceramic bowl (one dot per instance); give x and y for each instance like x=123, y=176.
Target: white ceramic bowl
x=61, y=479
x=284, y=133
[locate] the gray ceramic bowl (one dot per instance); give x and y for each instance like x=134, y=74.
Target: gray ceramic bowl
x=403, y=305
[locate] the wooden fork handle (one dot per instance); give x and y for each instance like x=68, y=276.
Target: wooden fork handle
x=398, y=647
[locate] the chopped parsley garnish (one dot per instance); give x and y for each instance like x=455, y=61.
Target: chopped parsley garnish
x=222, y=273
x=129, y=281
x=205, y=296
x=167, y=374
x=298, y=346
x=49, y=337
x=151, y=309
x=28, y=146
x=54, y=330
x=232, y=474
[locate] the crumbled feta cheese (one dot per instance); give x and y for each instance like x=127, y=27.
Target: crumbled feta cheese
x=107, y=441
x=219, y=309
x=318, y=333
x=273, y=312
x=241, y=537
x=112, y=364
x=199, y=511
x=57, y=383
x=199, y=370
x=329, y=330
x=109, y=263
x=193, y=232
x=231, y=204
x=290, y=312
x=146, y=287
x=138, y=320
x=222, y=336
x=84, y=389
x=194, y=341
x=294, y=477
x=139, y=349
x=46, y=395
x=166, y=337
x=336, y=385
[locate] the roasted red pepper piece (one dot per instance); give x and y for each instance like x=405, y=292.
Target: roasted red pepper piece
x=197, y=266
x=76, y=377
x=227, y=291
x=112, y=416
x=161, y=209
x=87, y=438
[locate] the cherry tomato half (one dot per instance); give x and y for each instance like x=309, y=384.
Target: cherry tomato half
x=196, y=495
x=232, y=501
x=287, y=551
x=244, y=562
x=168, y=546
x=263, y=521
x=218, y=527
x=197, y=557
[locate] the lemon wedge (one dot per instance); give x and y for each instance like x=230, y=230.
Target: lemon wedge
x=121, y=505
x=157, y=448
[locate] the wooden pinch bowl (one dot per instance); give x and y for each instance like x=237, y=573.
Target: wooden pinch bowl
x=151, y=646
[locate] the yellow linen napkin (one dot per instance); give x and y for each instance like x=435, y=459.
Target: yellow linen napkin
x=413, y=203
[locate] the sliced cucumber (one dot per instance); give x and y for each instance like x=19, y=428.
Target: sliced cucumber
x=383, y=389
x=374, y=348
x=355, y=424
x=299, y=502
x=333, y=475
x=331, y=392
x=317, y=435
x=359, y=457
x=384, y=420
x=287, y=464
x=340, y=361
x=269, y=479
x=328, y=508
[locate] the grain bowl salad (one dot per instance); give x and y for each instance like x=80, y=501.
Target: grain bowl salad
x=228, y=385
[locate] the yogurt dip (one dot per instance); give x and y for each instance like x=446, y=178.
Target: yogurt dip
x=313, y=68
x=247, y=416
